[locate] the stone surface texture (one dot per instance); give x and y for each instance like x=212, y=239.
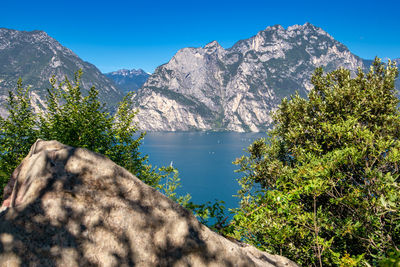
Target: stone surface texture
x=68, y=206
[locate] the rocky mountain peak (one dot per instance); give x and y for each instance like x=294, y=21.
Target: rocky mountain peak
x=130, y=73
x=235, y=89
x=276, y=27
x=128, y=80
x=212, y=44
x=35, y=38
x=293, y=35
x=307, y=29
x=309, y=26
x=213, y=47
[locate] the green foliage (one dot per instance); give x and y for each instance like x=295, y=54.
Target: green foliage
x=211, y=214
x=17, y=132
x=76, y=120
x=324, y=188
x=391, y=260
x=171, y=179
x=80, y=121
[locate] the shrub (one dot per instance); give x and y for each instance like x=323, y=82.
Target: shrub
x=323, y=188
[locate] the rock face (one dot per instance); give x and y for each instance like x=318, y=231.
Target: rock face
x=397, y=83
x=67, y=206
x=235, y=89
x=128, y=80
x=36, y=57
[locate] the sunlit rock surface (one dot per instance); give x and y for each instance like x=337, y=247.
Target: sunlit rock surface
x=68, y=206
x=236, y=89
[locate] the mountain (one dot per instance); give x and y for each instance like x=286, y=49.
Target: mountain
x=36, y=57
x=397, y=60
x=235, y=89
x=128, y=80
x=368, y=63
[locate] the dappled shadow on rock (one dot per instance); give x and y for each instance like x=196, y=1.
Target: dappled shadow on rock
x=69, y=206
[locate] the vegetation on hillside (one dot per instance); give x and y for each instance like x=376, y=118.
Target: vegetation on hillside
x=323, y=189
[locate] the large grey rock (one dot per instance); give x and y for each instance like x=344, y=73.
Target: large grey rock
x=68, y=206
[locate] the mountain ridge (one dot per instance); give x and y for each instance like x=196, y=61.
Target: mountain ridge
x=36, y=57
x=235, y=89
x=128, y=80
x=205, y=88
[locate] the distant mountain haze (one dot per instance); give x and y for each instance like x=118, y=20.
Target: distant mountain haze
x=236, y=89
x=128, y=80
x=36, y=57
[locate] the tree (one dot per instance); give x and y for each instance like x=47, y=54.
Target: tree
x=323, y=189
x=17, y=132
x=76, y=120
x=81, y=121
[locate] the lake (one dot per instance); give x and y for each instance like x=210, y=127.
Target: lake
x=203, y=159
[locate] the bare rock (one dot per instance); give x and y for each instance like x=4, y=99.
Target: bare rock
x=236, y=89
x=68, y=206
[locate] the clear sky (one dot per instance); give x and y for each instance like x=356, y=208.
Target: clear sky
x=145, y=34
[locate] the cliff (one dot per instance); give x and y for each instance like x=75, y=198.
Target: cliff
x=236, y=89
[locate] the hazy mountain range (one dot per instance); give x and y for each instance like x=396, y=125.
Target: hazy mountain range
x=128, y=80
x=205, y=88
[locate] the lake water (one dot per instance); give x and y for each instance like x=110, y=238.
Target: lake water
x=203, y=159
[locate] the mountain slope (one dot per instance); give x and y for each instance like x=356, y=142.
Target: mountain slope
x=397, y=60
x=36, y=57
x=128, y=80
x=235, y=89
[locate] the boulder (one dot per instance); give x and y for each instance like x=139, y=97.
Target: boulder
x=68, y=206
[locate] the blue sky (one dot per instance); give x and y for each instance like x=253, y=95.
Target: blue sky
x=145, y=34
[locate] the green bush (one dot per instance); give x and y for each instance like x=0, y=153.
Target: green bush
x=81, y=121
x=17, y=133
x=323, y=189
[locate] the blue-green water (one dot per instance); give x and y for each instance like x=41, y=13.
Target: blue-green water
x=203, y=159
